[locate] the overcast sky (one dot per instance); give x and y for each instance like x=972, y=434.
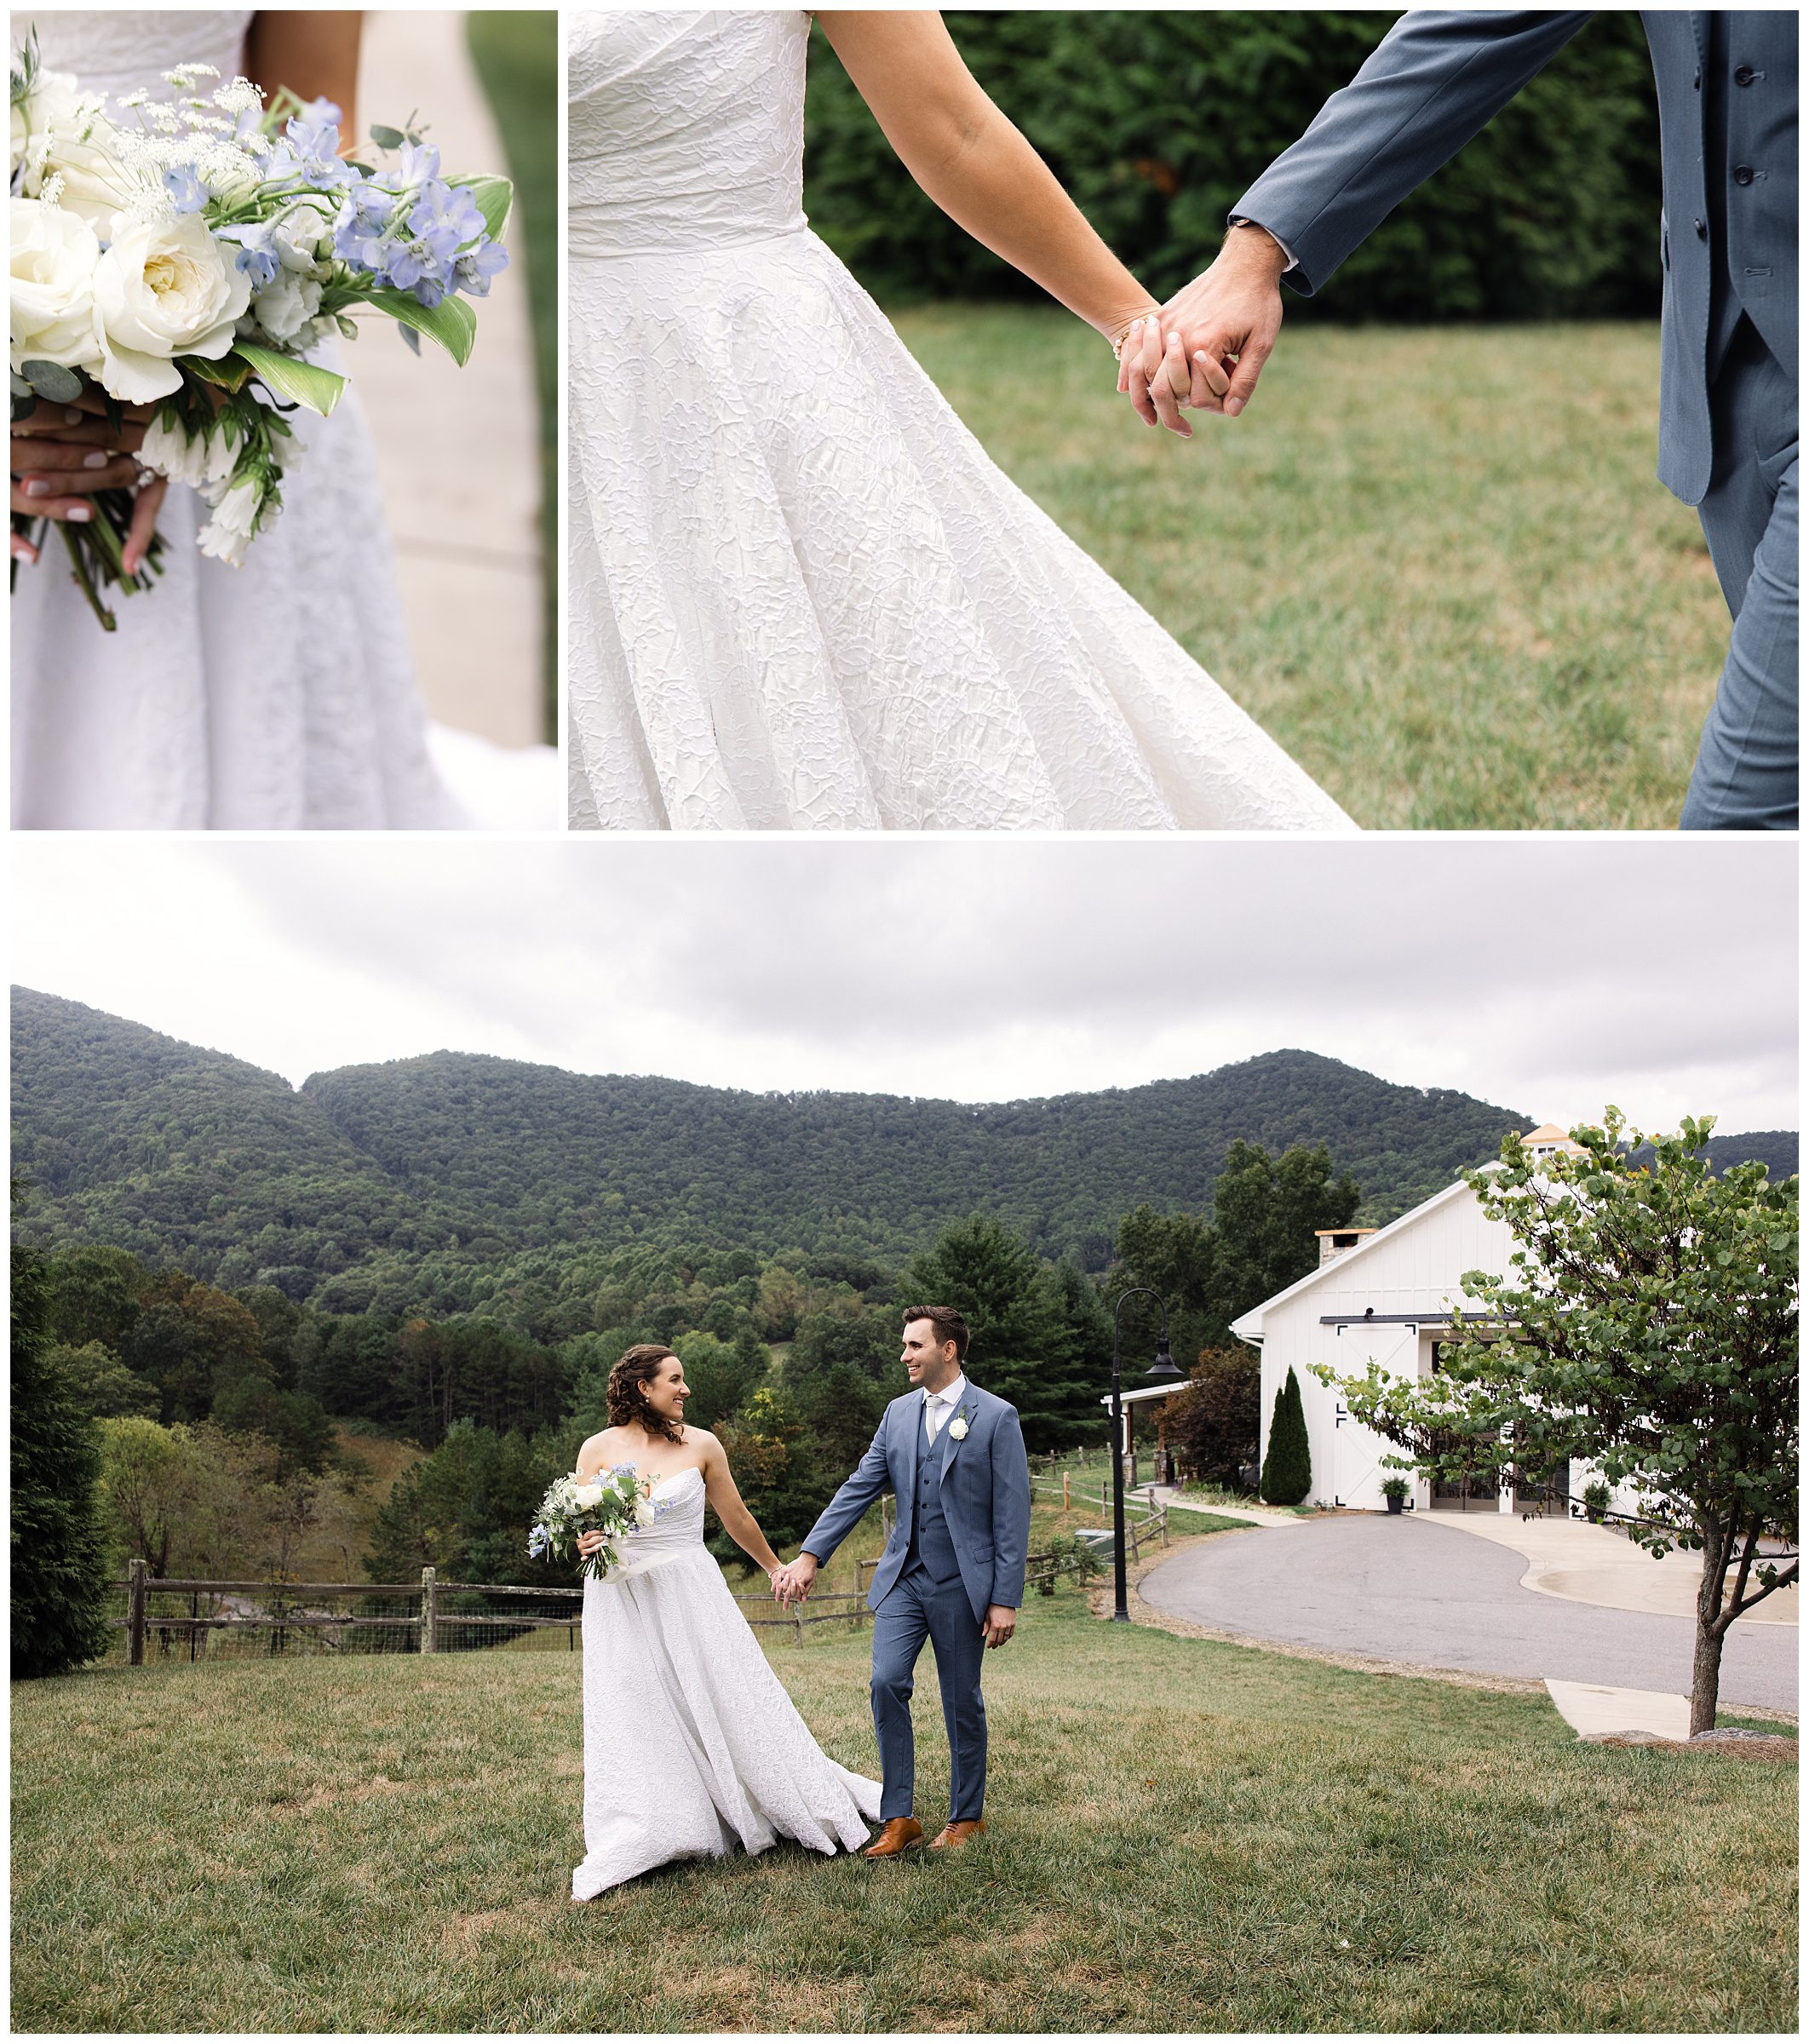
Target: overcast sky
x=1550, y=975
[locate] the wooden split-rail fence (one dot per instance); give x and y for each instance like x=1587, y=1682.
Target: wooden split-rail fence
x=435, y=1624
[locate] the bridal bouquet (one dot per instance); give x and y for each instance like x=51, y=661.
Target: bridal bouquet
x=187, y=253
x=614, y=1504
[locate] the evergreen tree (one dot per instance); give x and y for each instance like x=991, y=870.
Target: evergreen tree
x=1025, y=1348
x=1287, y=1470
x=59, y=1583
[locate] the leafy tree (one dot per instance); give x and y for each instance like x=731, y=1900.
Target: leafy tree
x=297, y=1423
x=106, y=1387
x=842, y=1408
x=96, y=1294
x=1264, y=1218
x=192, y=1341
x=1215, y=1424
x=1649, y=1328
x=781, y=1481
x=722, y=1375
x=147, y=1483
x=1287, y=1469
x=59, y=1571
x=847, y=1334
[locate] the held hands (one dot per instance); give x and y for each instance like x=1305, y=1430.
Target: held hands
x=792, y=1581
x=1207, y=346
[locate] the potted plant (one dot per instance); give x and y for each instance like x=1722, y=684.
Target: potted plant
x=1595, y=1503
x=1394, y=1489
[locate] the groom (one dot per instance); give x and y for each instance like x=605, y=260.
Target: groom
x=1727, y=416
x=952, y=1572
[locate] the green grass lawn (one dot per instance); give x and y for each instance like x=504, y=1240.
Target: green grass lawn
x=517, y=59
x=1435, y=564
x=1184, y=1836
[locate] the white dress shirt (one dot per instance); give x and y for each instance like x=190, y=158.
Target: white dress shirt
x=938, y=1407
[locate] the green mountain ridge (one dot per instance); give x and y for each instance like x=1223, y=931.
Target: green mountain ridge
x=460, y=1160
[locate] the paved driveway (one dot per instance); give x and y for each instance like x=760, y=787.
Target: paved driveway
x=1409, y=1589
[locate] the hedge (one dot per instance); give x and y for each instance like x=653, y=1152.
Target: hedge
x=1156, y=123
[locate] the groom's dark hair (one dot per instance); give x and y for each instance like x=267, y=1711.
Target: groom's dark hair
x=947, y=1324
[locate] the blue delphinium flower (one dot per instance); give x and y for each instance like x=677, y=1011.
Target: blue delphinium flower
x=255, y=256
x=185, y=189
x=309, y=148
x=473, y=270
x=537, y=1542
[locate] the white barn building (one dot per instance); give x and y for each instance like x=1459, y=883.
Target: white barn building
x=1386, y=1295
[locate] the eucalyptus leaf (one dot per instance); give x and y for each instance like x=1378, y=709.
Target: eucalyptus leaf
x=452, y=323
x=319, y=389
x=52, y=380
x=23, y=407
x=387, y=138
x=20, y=387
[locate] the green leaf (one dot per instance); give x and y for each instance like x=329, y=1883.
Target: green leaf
x=452, y=323
x=229, y=374
x=52, y=380
x=386, y=138
x=300, y=383
x=495, y=196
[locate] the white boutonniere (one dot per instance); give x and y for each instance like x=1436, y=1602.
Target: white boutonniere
x=958, y=1427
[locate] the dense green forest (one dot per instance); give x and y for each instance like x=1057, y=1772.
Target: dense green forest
x=457, y=1184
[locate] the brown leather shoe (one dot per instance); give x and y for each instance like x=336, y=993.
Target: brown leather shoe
x=958, y=1834
x=895, y=1834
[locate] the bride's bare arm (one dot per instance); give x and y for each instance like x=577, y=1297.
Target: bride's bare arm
x=975, y=165
x=725, y=1499
x=314, y=51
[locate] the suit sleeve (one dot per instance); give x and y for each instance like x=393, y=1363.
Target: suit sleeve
x=1011, y=1511
x=849, y=1506
x=1435, y=80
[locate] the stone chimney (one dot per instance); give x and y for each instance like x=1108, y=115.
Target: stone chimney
x=1334, y=1241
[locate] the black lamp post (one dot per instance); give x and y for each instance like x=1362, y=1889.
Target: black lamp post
x=1164, y=1367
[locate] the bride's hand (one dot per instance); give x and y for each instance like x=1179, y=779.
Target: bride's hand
x=588, y=1543
x=62, y=454
x=1153, y=372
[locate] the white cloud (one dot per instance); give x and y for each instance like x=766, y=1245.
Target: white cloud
x=1551, y=975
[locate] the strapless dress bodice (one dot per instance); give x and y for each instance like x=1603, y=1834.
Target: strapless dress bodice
x=686, y=130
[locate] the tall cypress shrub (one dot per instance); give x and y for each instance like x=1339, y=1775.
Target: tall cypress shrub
x=59, y=1562
x=1287, y=1469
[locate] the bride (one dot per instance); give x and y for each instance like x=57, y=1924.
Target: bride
x=802, y=595
x=279, y=695
x=691, y=1742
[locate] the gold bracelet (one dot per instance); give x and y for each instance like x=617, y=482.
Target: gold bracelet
x=1118, y=346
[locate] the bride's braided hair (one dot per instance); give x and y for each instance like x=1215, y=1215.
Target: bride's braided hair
x=627, y=1395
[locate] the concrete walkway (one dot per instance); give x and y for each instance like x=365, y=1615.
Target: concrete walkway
x=1595, y=1564
x=458, y=448
x=1414, y=1590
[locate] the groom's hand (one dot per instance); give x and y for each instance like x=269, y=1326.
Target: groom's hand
x=1228, y=320
x=1002, y=1621
x=796, y=1578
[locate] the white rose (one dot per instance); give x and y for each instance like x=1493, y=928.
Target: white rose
x=228, y=533
x=644, y=1514
x=54, y=255
x=70, y=136
x=166, y=287
x=286, y=305
x=54, y=110
x=587, y=1496
x=296, y=235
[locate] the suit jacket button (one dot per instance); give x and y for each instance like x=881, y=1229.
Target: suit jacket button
x=1744, y=74
x=1742, y=174
x=1701, y=229
x=1695, y=82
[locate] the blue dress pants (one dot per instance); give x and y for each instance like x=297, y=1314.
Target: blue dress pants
x=915, y=1609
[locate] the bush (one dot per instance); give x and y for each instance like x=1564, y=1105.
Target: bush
x=1157, y=123
x=1214, y=1424
x=1287, y=1471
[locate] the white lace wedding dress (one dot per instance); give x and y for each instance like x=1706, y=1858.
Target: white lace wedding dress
x=690, y=1743
x=801, y=595
x=279, y=695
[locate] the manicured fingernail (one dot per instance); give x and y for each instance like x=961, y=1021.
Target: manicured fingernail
x=37, y=489
x=71, y=417
x=1173, y=340
x=96, y=460
x=79, y=515
x=23, y=549
x=1200, y=355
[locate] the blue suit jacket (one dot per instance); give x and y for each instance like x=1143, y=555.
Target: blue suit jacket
x=985, y=1496
x=1439, y=76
